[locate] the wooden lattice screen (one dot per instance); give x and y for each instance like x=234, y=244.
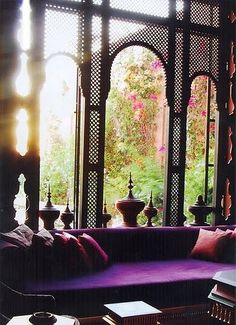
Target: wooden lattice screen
x=188, y=43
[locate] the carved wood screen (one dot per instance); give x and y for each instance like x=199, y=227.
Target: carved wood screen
x=187, y=41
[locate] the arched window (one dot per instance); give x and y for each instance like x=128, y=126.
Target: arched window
x=201, y=144
x=57, y=131
x=135, y=134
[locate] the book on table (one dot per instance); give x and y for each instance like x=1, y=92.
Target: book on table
x=224, y=290
x=131, y=313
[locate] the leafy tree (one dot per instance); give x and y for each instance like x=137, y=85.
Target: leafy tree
x=132, y=129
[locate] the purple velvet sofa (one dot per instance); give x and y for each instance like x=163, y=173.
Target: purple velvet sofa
x=150, y=264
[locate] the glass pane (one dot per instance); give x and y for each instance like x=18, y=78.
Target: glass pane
x=200, y=151
x=57, y=126
x=135, y=139
x=24, y=32
x=22, y=132
x=21, y=202
x=22, y=80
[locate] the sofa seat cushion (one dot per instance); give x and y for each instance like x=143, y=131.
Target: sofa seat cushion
x=153, y=281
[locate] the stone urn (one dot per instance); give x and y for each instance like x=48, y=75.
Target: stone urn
x=67, y=216
x=150, y=211
x=200, y=210
x=106, y=217
x=130, y=207
x=49, y=213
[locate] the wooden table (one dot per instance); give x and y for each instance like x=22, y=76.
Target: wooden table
x=185, y=315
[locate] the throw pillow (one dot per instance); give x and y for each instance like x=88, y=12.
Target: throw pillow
x=98, y=257
x=70, y=255
x=43, y=238
x=79, y=257
x=40, y=256
x=230, y=250
x=20, y=236
x=210, y=244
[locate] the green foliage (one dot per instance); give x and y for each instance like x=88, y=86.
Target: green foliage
x=194, y=176
x=131, y=132
x=57, y=168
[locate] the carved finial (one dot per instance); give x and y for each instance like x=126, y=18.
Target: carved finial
x=49, y=203
x=130, y=186
x=150, y=204
x=105, y=215
x=67, y=209
x=105, y=206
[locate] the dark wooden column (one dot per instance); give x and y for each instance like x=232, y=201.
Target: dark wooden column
x=177, y=97
x=225, y=199
x=31, y=165
x=9, y=12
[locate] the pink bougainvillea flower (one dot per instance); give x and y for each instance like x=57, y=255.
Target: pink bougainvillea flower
x=192, y=102
x=132, y=97
x=156, y=64
x=212, y=127
x=203, y=77
x=203, y=113
x=162, y=149
x=138, y=114
x=153, y=97
x=137, y=105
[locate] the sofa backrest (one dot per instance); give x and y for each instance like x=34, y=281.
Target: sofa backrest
x=144, y=243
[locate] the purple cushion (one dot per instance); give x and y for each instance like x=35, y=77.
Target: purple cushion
x=97, y=256
x=168, y=283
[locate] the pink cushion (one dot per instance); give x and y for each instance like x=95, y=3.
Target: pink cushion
x=98, y=257
x=230, y=250
x=210, y=244
x=77, y=250
x=71, y=256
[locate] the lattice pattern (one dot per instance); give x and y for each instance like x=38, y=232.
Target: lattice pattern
x=92, y=199
x=61, y=31
x=174, y=200
x=125, y=31
x=94, y=137
x=176, y=141
x=96, y=60
x=81, y=39
x=204, y=54
x=158, y=8
x=210, y=8
x=97, y=2
x=179, y=9
x=178, y=71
